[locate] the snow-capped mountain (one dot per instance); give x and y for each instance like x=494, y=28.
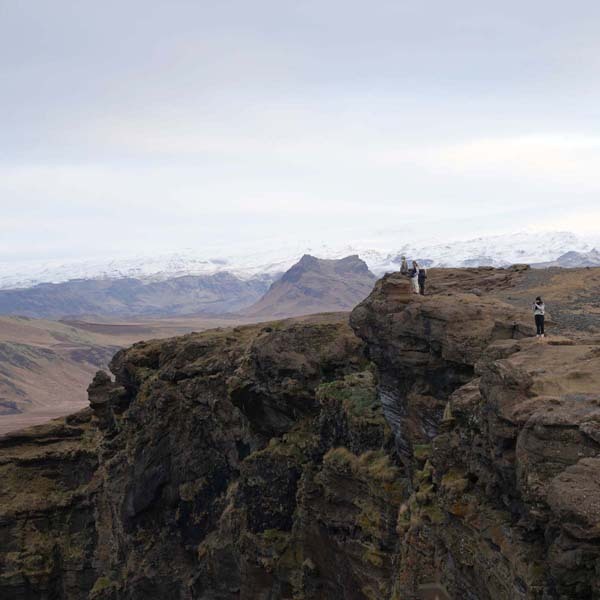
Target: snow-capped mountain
x=503, y=250
x=381, y=253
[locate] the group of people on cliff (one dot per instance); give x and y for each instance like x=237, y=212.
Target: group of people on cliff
x=418, y=279
x=416, y=274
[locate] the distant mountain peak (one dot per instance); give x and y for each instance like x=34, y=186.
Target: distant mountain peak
x=574, y=258
x=317, y=285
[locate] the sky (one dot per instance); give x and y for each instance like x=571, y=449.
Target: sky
x=150, y=126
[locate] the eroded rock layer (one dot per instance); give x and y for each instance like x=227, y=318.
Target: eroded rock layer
x=432, y=448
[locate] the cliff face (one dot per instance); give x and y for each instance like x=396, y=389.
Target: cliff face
x=499, y=437
x=197, y=472
x=434, y=449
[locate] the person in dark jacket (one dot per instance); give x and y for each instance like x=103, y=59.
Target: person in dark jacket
x=422, y=280
x=539, y=314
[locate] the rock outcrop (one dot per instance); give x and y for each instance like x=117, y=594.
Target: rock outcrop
x=431, y=449
x=498, y=433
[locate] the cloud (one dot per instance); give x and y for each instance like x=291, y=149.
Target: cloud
x=569, y=158
x=583, y=221
x=220, y=120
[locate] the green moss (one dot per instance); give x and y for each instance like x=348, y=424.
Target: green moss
x=433, y=513
x=422, y=452
x=38, y=565
x=340, y=459
x=369, y=520
x=357, y=395
x=403, y=520
x=190, y=489
x=297, y=445
x=374, y=468
x=378, y=466
x=146, y=379
x=455, y=481
x=425, y=474
x=101, y=584
x=276, y=540
x=374, y=557
x=425, y=493
x=73, y=553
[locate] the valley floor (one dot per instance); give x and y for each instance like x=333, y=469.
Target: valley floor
x=46, y=366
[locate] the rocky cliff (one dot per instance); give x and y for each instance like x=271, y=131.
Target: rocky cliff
x=432, y=448
x=498, y=434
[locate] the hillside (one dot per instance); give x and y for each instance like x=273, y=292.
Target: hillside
x=44, y=369
x=316, y=285
x=128, y=297
x=46, y=366
x=429, y=447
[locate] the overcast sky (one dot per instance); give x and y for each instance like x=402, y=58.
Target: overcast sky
x=139, y=126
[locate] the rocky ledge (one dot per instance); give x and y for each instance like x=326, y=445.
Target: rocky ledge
x=430, y=448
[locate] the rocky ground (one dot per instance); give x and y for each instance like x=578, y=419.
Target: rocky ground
x=429, y=448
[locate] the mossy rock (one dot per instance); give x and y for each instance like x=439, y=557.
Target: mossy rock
x=275, y=539
x=357, y=394
x=103, y=588
x=434, y=514
x=299, y=445
x=341, y=460
x=422, y=452
x=454, y=481
x=374, y=557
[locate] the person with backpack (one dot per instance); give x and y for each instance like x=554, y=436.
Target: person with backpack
x=413, y=273
x=422, y=277
x=539, y=314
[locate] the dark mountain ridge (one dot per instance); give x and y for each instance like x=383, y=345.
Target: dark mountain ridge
x=128, y=297
x=573, y=259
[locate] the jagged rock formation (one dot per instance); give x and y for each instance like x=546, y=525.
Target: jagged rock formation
x=441, y=449
x=316, y=285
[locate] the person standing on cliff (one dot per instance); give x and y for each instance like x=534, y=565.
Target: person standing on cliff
x=422, y=280
x=414, y=277
x=404, y=266
x=539, y=314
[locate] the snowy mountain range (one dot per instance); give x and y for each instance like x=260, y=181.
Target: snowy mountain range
x=381, y=255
